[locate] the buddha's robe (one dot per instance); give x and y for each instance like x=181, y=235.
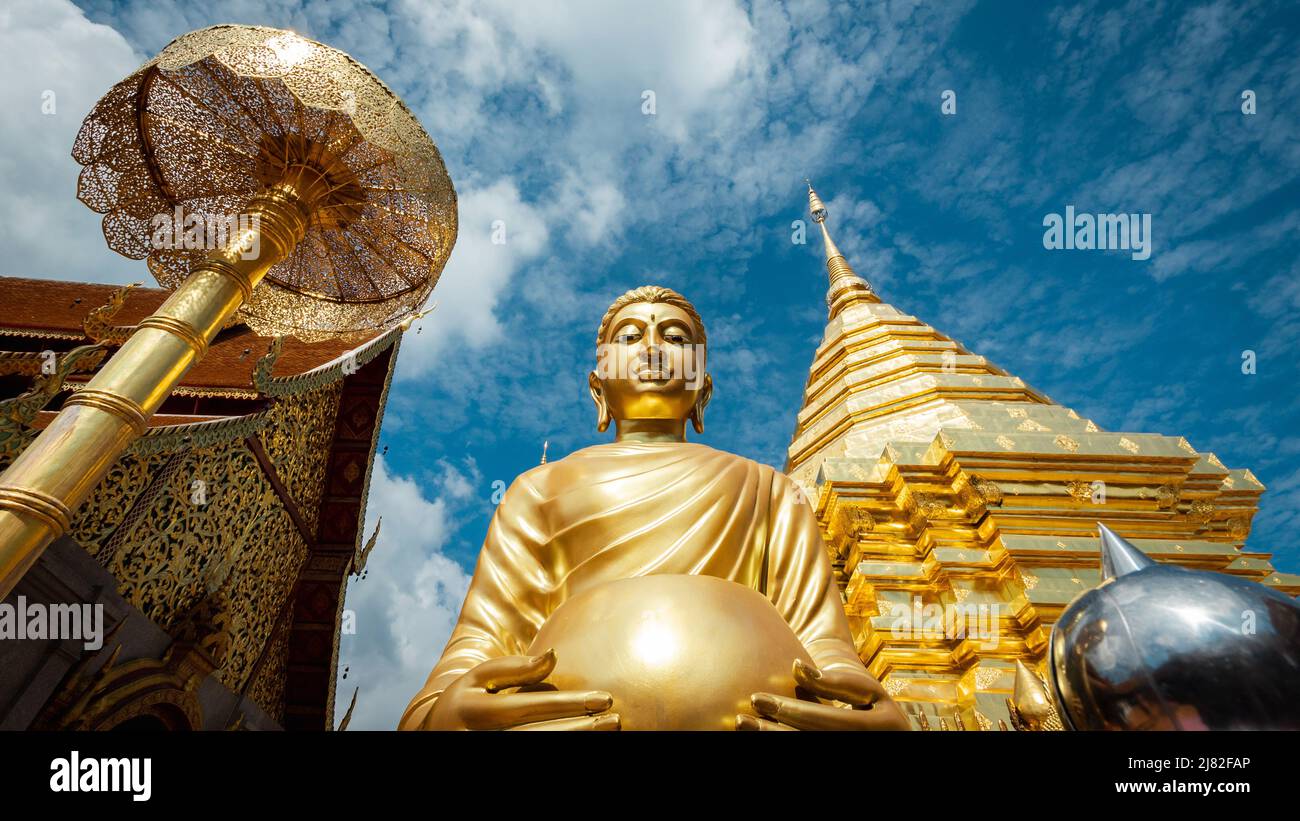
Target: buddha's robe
x=620, y=510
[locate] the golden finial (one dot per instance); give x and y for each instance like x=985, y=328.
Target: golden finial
x=347, y=717
x=1032, y=705
x=544, y=444
x=415, y=315
x=815, y=205
x=846, y=286
x=360, y=557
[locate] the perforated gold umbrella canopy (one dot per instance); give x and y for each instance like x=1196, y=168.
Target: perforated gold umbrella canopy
x=219, y=115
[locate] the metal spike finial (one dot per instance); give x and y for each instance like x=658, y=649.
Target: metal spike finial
x=1119, y=557
x=544, y=446
x=815, y=205
x=846, y=287
x=1030, y=698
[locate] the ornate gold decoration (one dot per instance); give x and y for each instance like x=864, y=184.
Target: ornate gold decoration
x=42, y=333
x=1128, y=444
x=990, y=492
x=1201, y=512
x=306, y=171
x=855, y=520
x=332, y=371
x=1066, y=443
x=1166, y=497
x=36, y=363
x=18, y=413
x=167, y=438
x=1081, y=491
x=266, y=687
x=220, y=114
x=931, y=506
x=165, y=689
x=1030, y=426
x=1239, y=527
x=96, y=324
x=360, y=557
x=1031, y=707
x=347, y=716
x=297, y=438
x=1006, y=443
x=986, y=677
x=144, y=525
x=161, y=566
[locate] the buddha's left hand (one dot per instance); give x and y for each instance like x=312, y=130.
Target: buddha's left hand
x=865, y=704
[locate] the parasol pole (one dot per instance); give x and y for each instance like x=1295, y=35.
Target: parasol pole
x=57, y=472
x=334, y=154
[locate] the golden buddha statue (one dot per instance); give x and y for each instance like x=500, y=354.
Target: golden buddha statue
x=651, y=582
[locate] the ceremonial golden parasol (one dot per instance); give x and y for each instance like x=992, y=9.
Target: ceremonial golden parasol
x=266, y=178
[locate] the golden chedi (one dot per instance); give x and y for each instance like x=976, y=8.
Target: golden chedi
x=583, y=613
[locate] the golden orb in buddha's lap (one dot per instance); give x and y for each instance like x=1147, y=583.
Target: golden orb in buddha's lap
x=676, y=652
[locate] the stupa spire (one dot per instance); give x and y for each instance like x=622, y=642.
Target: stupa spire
x=846, y=287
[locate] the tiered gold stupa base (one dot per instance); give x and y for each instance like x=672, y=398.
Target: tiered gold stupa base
x=952, y=495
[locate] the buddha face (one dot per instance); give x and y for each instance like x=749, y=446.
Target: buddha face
x=650, y=366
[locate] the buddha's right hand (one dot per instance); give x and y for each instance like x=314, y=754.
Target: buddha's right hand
x=474, y=701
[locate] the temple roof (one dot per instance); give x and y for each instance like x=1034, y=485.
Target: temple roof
x=304, y=430
x=56, y=309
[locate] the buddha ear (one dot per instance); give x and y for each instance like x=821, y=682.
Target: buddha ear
x=701, y=401
x=602, y=407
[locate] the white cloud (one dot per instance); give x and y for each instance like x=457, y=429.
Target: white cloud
x=49, y=47
x=407, y=605
x=592, y=208
x=478, y=274
x=686, y=52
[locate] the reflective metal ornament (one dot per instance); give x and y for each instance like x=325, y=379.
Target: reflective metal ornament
x=1161, y=647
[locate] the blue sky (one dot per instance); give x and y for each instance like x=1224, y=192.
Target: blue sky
x=1109, y=107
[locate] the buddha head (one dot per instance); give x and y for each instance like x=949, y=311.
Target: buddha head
x=650, y=365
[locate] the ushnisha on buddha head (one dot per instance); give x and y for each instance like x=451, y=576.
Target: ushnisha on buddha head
x=650, y=375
